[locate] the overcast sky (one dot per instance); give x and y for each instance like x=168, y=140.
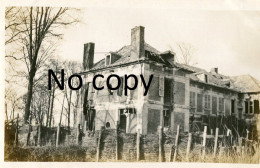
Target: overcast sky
x=226, y=33
x=227, y=39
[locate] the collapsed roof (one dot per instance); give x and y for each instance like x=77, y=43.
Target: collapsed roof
x=139, y=50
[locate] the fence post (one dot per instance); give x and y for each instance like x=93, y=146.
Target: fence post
x=58, y=135
x=240, y=144
x=29, y=131
x=188, y=146
x=176, y=143
x=39, y=135
x=159, y=129
x=138, y=145
x=99, y=143
x=204, y=142
x=16, y=131
x=28, y=135
x=67, y=138
x=117, y=143
x=247, y=134
x=170, y=155
x=78, y=134
x=216, y=142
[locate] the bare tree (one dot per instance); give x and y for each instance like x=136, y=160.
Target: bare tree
x=38, y=29
x=71, y=68
x=13, y=27
x=187, y=51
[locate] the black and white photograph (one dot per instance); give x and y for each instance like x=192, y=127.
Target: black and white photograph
x=131, y=81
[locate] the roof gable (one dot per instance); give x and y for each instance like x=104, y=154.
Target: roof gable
x=246, y=83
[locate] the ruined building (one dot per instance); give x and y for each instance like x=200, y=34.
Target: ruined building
x=179, y=94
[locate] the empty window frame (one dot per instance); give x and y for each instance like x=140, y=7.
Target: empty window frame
x=233, y=111
x=206, y=78
x=214, y=105
x=207, y=104
x=167, y=91
x=167, y=118
x=246, y=107
x=256, y=106
x=221, y=104
x=130, y=111
x=192, y=102
x=199, y=103
x=154, y=89
x=179, y=93
x=251, y=107
x=207, y=101
x=107, y=60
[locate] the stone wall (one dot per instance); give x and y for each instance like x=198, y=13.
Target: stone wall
x=48, y=136
x=127, y=149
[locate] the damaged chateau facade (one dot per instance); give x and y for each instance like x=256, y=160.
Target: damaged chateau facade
x=179, y=94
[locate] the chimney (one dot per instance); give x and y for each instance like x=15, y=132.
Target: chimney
x=88, y=56
x=137, y=42
x=214, y=70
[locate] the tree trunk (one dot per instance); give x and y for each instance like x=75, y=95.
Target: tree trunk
x=28, y=135
x=62, y=109
x=6, y=112
x=76, y=109
x=69, y=104
x=29, y=98
x=52, y=102
x=49, y=106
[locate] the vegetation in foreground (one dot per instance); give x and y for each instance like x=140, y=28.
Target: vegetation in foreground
x=78, y=154
x=46, y=154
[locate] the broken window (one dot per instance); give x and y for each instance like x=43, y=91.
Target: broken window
x=233, y=106
x=167, y=91
x=207, y=101
x=227, y=107
x=154, y=89
x=180, y=93
x=192, y=102
x=131, y=111
x=207, y=104
x=214, y=105
x=107, y=60
x=221, y=104
x=199, y=103
x=251, y=107
x=167, y=118
x=256, y=106
x=161, y=86
x=206, y=78
x=246, y=107
x=126, y=118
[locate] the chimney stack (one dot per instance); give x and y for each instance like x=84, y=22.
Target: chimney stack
x=88, y=56
x=137, y=41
